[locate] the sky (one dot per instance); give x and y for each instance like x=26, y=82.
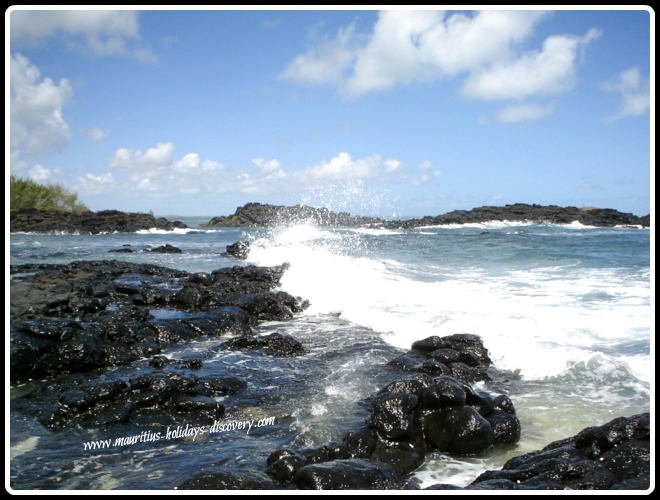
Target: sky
x=388, y=113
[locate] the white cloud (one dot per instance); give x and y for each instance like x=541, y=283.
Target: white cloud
x=519, y=113
x=37, y=124
x=484, y=48
x=343, y=166
x=95, y=184
x=270, y=168
x=95, y=134
x=325, y=62
x=134, y=160
x=551, y=70
x=157, y=172
x=392, y=166
x=409, y=46
x=100, y=32
x=635, y=93
x=425, y=165
x=39, y=173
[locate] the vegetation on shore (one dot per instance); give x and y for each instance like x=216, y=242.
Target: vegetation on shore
x=26, y=193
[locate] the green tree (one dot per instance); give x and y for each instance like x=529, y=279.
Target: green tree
x=26, y=193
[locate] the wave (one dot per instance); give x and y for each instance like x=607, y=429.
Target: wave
x=154, y=230
x=540, y=321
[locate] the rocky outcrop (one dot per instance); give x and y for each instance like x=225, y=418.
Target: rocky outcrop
x=613, y=456
x=522, y=212
x=90, y=315
x=462, y=356
x=409, y=417
x=106, y=221
x=258, y=214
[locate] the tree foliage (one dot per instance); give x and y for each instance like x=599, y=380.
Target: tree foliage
x=26, y=193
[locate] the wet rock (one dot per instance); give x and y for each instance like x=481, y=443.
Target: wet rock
x=462, y=431
x=615, y=456
x=444, y=392
x=354, y=474
x=124, y=249
x=463, y=356
x=154, y=397
x=393, y=415
x=238, y=250
x=433, y=367
x=222, y=480
x=89, y=315
x=506, y=427
x=359, y=444
x=199, y=404
x=630, y=459
x=282, y=465
x=167, y=248
x=594, y=441
x=274, y=344
x=221, y=386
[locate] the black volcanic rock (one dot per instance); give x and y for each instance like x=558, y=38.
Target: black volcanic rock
x=409, y=417
x=91, y=315
x=613, y=456
x=106, y=221
x=522, y=212
x=258, y=214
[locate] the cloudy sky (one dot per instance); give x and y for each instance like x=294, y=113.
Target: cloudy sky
x=400, y=112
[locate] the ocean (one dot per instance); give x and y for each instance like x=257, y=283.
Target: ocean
x=565, y=310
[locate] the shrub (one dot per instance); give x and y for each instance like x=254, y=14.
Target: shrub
x=26, y=193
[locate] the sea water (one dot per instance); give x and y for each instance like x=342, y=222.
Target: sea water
x=564, y=309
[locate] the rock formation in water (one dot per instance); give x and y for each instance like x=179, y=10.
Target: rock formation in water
x=257, y=214
x=106, y=221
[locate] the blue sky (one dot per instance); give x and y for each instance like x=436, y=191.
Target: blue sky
x=401, y=112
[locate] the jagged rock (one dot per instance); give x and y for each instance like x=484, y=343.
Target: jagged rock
x=354, y=474
x=106, y=221
x=85, y=315
x=258, y=214
x=615, y=456
x=227, y=481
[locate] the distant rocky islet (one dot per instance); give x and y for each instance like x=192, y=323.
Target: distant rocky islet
x=260, y=214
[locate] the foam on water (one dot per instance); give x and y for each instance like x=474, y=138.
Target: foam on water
x=541, y=320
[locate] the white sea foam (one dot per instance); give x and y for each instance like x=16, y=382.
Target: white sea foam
x=540, y=321
x=177, y=230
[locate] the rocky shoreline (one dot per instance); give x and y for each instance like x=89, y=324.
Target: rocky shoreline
x=260, y=214
x=257, y=214
x=263, y=215
x=106, y=221
x=92, y=332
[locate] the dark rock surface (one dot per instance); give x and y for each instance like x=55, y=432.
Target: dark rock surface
x=409, y=417
x=89, y=315
x=257, y=214
x=106, y=221
x=164, y=398
x=463, y=356
x=239, y=250
x=613, y=456
x=522, y=212
x=223, y=480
